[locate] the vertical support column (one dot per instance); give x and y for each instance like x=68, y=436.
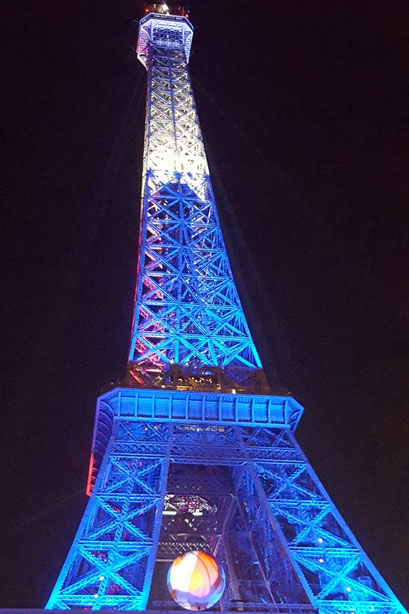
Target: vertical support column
x=158, y=522
x=330, y=564
x=283, y=576
x=72, y=564
x=111, y=561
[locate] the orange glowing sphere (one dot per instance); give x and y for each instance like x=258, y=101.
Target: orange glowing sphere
x=195, y=580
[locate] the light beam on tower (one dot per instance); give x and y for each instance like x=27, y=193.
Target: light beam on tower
x=196, y=454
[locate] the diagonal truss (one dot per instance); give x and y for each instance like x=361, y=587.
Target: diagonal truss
x=334, y=570
x=159, y=454
x=111, y=561
x=264, y=515
x=187, y=309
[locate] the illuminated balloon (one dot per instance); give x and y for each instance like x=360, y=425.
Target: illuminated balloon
x=195, y=580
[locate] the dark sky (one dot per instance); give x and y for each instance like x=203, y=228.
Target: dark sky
x=304, y=110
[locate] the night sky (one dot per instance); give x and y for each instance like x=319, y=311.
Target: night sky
x=304, y=110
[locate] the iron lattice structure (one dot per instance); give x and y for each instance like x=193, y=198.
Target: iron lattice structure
x=179, y=463
x=187, y=309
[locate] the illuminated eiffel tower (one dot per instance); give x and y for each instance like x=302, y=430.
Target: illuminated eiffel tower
x=196, y=453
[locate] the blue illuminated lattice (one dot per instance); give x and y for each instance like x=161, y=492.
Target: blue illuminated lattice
x=187, y=309
x=264, y=514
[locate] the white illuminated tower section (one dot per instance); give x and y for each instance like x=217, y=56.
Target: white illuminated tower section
x=196, y=454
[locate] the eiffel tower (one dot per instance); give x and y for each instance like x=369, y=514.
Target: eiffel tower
x=196, y=453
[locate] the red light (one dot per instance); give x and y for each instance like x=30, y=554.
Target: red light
x=91, y=476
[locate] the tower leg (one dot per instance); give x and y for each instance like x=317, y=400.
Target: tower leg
x=245, y=494
x=110, y=563
x=330, y=563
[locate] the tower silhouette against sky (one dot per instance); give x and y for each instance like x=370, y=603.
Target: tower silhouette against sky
x=196, y=453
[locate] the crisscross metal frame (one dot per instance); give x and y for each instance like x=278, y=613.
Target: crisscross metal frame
x=187, y=309
x=268, y=520
x=279, y=536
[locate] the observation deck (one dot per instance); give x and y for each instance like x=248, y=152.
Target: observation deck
x=164, y=30
x=207, y=409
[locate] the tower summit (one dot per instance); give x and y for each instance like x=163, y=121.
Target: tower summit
x=196, y=454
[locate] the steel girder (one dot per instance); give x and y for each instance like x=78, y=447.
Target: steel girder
x=335, y=572
x=111, y=560
x=261, y=509
x=189, y=408
x=187, y=309
x=264, y=515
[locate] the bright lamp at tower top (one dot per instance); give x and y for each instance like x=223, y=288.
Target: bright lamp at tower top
x=166, y=8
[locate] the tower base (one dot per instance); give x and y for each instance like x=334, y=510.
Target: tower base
x=178, y=471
